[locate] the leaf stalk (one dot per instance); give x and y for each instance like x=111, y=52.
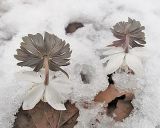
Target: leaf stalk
x=46, y=67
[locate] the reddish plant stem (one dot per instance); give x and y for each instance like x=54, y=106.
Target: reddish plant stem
x=127, y=44
x=46, y=67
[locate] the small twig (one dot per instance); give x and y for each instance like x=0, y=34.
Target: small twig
x=127, y=44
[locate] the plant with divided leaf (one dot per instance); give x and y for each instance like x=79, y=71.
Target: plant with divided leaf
x=126, y=52
x=123, y=55
x=49, y=53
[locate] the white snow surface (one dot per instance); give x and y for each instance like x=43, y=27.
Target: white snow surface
x=21, y=17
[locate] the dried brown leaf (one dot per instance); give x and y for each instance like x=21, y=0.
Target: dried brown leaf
x=123, y=109
x=44, y=116
x=72, y=27
x=118, y=103
x=111, y=93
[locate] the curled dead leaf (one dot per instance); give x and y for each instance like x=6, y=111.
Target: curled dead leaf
x=118, y=103
x=111, y=93
x=122, y=110
x=72, y=27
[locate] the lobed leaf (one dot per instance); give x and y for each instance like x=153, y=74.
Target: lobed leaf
x=131, y=29
x=34, y=48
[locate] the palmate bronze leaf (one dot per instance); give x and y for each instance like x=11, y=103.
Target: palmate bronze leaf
x=132, y=30
x=34, y=48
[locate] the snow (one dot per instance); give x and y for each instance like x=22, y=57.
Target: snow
x=20, y=17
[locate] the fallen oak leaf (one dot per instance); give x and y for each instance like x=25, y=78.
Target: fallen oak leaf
x=44, y=116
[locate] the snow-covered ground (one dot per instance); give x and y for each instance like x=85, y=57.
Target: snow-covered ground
x=20, y=17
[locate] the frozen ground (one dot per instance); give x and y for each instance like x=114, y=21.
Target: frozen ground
x=20, y=17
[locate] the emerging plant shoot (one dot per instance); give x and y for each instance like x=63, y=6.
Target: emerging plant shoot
x=49, y=53
x=125, y=54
